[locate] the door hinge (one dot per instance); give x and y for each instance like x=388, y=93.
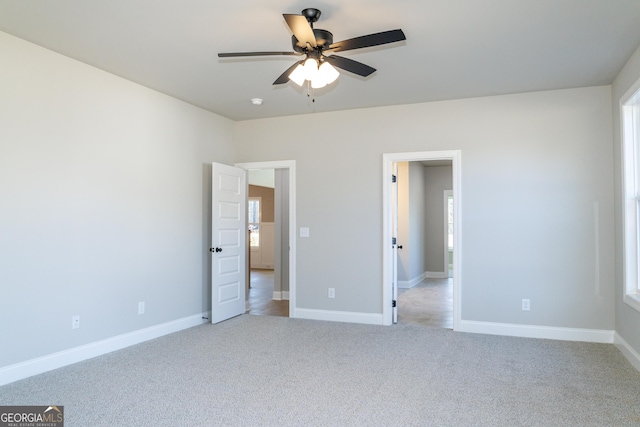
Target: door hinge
x=393, y=303
x=394, y=178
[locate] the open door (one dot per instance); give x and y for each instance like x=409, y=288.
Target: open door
x=394, y=242
x=228, y=241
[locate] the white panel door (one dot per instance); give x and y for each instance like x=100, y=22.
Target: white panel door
x=228, y=241
x=394, y=248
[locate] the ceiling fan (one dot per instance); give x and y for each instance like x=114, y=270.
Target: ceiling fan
x=317, y=68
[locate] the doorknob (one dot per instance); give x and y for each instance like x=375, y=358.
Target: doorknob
x=215, y=249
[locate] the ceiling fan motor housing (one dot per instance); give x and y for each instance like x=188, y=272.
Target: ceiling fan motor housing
x=324, y=38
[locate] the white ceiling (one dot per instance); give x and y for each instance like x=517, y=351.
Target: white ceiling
x=454, y=48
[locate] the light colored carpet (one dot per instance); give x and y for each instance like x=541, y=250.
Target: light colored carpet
x=274, y=371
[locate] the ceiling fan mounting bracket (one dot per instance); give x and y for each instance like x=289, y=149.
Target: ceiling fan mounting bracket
x=311, y=14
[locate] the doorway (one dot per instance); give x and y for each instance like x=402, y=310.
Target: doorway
x=268, y=289
x=404, y=271
x=425, y=291
x=271, y=281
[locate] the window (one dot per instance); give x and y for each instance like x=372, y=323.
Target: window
x=254, y=212
x=630, y=112
x=450, y=223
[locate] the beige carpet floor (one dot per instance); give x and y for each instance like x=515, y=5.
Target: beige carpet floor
x=277, y=371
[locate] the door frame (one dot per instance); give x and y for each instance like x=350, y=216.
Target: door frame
x=291, y=166
x=388, y=159
x=446, y=195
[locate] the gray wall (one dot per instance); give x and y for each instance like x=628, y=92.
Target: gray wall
x=421, y=218
x=281, y=270
x=104, y=202
x=437, y=180
x=411, y=221
x=627, y=318
x=532, y=167
x=403, y=222
x=417, y=224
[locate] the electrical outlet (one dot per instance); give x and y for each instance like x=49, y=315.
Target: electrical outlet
x=526, y=305
x=141, y=307
x=75, y=322
x=332, y=292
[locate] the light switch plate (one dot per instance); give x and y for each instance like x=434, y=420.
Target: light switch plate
x=304, y=231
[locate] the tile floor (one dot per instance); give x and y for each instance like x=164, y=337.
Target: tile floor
x=429, y=303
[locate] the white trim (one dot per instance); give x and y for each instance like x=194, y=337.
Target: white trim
x=596, y=240
x=629, y=352
x=406, y=284
x=340, y=316
x=632, y=299
x=39, y=365
x=388, y=159
x=535, y=331
x=262, y=266
x=281, y=295
x=437, y=274
x=629, y=139
x=291, y=165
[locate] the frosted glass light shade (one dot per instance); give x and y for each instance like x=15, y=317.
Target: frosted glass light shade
x=328, y=72
x=318, y=82
x=297, y=75
x=310, y=69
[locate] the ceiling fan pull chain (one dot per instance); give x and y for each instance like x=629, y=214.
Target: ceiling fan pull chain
x=311, y=91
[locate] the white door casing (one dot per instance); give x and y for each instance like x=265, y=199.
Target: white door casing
x=228, y=241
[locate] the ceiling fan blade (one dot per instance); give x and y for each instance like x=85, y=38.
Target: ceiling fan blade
x=350, y=65
x=376, y=39
x=239, y=54
x=301, y=29
x=284, y=77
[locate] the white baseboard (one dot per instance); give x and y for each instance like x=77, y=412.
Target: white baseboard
x=262, y=266
x=437, y=274
x=406, y=284
x=535, y=331
x=18, y=371
x=629, y=352
x=280, y=295
x=339, y=316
